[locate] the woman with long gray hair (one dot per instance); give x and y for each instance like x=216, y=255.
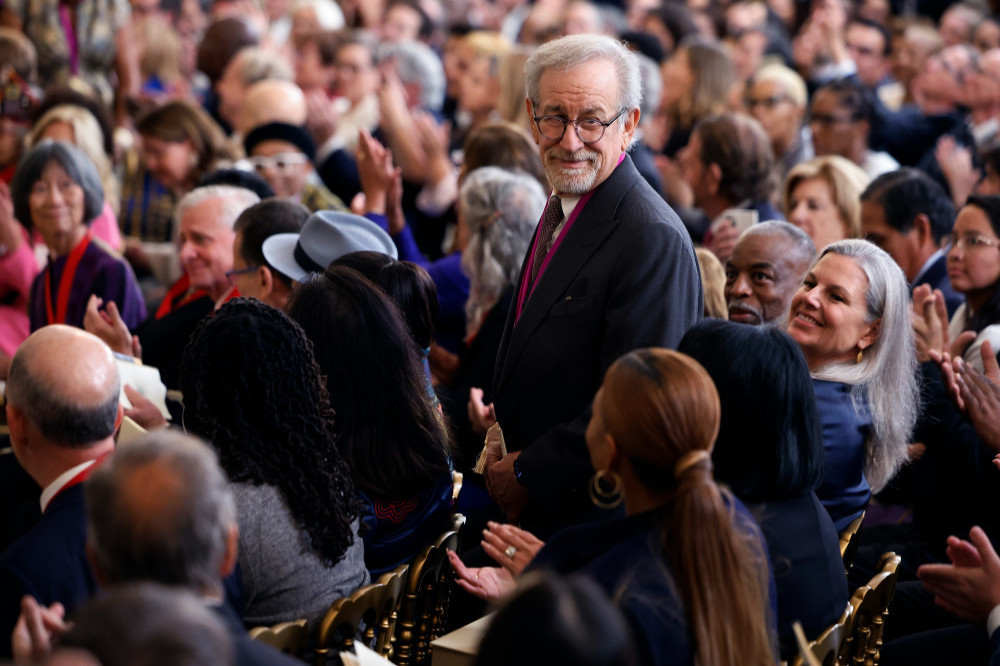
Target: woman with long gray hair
x=851, y=317
x=498, y=212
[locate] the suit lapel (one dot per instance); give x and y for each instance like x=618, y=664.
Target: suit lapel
x=592, y=227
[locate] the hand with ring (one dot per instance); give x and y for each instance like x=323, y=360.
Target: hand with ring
x=511, y=547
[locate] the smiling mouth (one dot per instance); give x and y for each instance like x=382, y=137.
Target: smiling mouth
x=807, y=319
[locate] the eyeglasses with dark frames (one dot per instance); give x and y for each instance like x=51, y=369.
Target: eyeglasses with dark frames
x=588, y=130
x=243, y=271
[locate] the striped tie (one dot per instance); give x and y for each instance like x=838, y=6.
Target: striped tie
x=550, y=220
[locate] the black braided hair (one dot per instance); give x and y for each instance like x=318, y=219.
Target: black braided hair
x=252, y=388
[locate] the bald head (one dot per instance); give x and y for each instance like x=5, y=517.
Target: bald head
x=64, y=382
x=272, y=101
x=165, y=513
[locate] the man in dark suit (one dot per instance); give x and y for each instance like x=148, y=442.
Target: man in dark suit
x=610, y=269
x=62, y=406
x=910, y=216
x=160, y=510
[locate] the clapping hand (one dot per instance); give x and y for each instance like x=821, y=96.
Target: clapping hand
x=107, y=324
x=969, y=587
x=36, y=631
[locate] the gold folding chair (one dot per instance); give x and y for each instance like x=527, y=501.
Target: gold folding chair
x=871, y=609
x=826, y=649
x=355, y=618
x=424, y=608
x=849, y=541
x=289, y=637
x=393, y=582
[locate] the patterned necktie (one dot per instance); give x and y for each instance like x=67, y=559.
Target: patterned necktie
x=550, y=220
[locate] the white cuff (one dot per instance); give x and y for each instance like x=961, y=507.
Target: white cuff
x=993, y=621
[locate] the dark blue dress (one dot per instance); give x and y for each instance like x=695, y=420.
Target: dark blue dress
x=844, y=490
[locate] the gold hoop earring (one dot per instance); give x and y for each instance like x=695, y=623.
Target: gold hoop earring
x=860, y=354
x=606, y=499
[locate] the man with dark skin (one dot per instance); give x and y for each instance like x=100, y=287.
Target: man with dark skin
x=764, y=270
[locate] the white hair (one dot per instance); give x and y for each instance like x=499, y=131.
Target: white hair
x=329, y=15
x=501, y=209
x=572, y=51
x=236, y=200
x=417, y=63
x=886, y=377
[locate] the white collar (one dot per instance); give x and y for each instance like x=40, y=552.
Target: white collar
x=53, y=488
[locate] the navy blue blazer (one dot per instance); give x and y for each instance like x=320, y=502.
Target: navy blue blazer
x=49, y=563
x=936, y=276
x=624, y=277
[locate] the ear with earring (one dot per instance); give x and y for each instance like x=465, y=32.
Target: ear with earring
x=602, y=496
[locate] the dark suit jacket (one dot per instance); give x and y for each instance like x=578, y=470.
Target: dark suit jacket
x=936, y=276
x=624, y=277
x=49, y=563
x=808, y=571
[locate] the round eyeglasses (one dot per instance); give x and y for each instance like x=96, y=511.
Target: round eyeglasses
x=589, y=130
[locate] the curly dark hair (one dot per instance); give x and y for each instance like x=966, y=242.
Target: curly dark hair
x=395, y=442
x=253, y=389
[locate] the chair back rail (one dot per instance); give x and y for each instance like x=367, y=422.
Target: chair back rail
x=393, y=582
x=826, y=649
x=358, y=617
x=289, y=637
x=871, y=610
x=849, y=541
x=424, y=606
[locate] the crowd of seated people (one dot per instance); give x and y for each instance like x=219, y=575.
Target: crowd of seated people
x=373, y=248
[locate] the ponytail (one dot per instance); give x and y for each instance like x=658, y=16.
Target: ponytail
x=663, y=411
x=720, y=568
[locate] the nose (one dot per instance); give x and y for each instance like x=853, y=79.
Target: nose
x=810, y=296
x=56, y=195
x=570, y=140
x=799, y=215
x=187, y=251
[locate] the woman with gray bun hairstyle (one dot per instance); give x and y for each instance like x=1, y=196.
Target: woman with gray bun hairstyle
x=498, y=213
x=851, y=317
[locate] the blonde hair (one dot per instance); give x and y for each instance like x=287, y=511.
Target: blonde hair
x=846, y=181
x=161, y=55
x=511, y=74
x=713, y=282
x=88, y=137
x=487, y=44
x=714, y=76
x=789, y=80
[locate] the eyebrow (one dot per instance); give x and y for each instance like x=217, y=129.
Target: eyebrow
x=553, y=109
